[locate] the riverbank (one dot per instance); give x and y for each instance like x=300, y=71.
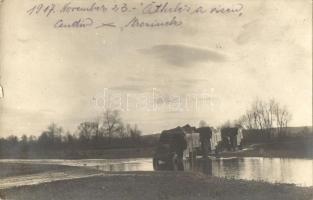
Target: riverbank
x=279, y=149
x=271, y=150
x=117, y=153
x=156, y=186
x=291, y=148
x=26, y=174
x=20, y=169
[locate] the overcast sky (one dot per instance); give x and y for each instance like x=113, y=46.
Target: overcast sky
x=52, y=75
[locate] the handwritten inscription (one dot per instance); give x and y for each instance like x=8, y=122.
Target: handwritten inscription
x=163, y=14
x=80, y=23
x=135, y=22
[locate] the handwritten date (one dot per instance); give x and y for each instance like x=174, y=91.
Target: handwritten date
x=42, y=9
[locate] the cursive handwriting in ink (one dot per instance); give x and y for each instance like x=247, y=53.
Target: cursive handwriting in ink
x=138, y=23
x=94, y=7
x=106, y=25
x=236, y=8
x=41, y=8
x=157, y=8
x=80, y=23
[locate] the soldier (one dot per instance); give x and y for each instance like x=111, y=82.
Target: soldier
x=179, y=144
x=205, y=137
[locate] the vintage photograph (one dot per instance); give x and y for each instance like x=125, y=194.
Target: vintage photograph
x=156, y=100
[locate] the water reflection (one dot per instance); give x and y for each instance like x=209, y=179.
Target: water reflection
x=296, y=171
x=274, y=170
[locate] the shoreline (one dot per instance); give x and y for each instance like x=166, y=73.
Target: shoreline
x=148, y=153
x=157, y=185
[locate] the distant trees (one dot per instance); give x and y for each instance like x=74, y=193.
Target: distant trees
x=265, y=116
x=51, y=137
x=87, y=131
x=108, y=131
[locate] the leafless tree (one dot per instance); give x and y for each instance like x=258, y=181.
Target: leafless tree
x=111, y=123
x=135, y=133
x=87, y=130
x=265, y=116
x=282, y=118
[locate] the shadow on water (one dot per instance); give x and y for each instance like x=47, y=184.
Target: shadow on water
x=200, y=165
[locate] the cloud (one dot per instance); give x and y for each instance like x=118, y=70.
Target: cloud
x=182, y=55
x=263, y=30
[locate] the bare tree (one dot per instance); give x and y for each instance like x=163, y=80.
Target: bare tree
x=135, y=134
x=282, y=118
x=87, y=131
x=111, y=123
x=264, y=115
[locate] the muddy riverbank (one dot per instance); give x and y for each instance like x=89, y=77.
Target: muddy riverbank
x=156, y=186
x=72, y=182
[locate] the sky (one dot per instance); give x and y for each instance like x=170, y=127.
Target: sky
x=210, y=68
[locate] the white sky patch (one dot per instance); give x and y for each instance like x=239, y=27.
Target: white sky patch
x=52, y=75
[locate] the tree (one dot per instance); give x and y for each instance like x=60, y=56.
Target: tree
x=24, y=139
x=282, y=118
x=12, y=140
x=111, y=123
x=262, y=116
x=52, y=137
x=135, y=134
x=88, y=131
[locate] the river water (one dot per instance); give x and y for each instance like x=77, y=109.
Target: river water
x=274, y=170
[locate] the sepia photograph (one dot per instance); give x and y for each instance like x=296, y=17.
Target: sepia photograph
x=156, y=100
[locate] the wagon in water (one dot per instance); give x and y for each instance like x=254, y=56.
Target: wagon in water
x=168, y=153
x=187, y=142
x=176, y=145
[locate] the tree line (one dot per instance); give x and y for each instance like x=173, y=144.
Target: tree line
x=108, y=131
x=262, y=120
x=265, y=118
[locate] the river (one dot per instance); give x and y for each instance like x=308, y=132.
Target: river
x=273, y=170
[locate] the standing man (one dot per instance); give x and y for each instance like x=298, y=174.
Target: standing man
x=179, y=144
x=205, y=138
